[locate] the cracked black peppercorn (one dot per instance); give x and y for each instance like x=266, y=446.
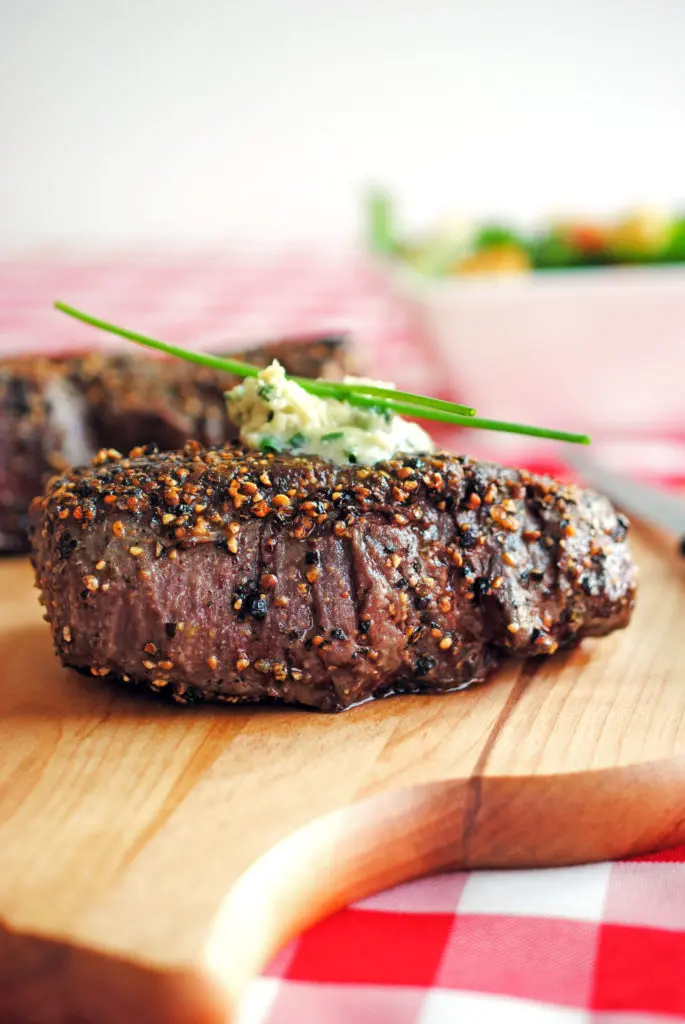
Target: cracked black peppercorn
x=424, y=664
x=255, y=606
x=66, y=545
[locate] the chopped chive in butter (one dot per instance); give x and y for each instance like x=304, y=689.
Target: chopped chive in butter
x=271, y=444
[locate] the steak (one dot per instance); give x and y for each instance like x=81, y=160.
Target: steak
x=228, y=575
x=59, y=412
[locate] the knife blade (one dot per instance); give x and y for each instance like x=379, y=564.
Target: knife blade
x=652, y=504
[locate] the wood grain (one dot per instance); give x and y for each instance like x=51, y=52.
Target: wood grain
x=152, y=858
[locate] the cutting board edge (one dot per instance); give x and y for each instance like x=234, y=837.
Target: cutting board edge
x=56, y=979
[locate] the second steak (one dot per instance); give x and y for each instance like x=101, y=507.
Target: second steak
x=58, y=412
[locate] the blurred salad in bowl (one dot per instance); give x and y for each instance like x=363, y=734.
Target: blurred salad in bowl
x=643, y=236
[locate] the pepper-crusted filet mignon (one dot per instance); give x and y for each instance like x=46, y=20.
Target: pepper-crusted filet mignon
x=232, y=575
x=58, y=412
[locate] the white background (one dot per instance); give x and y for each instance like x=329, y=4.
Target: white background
x=263, y=120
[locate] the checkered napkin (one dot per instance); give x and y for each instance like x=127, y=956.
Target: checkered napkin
x=602, y=943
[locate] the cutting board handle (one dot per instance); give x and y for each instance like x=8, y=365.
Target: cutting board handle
x=343, y=857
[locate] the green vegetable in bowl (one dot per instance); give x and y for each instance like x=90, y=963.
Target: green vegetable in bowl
x=675, y=250
x=497, y=234
x=552, y=251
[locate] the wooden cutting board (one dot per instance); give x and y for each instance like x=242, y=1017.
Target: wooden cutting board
x=153, y=858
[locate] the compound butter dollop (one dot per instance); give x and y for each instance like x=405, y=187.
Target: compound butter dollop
x=276, y=414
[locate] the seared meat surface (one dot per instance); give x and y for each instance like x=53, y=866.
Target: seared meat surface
x=56, y=413
x=230, y=575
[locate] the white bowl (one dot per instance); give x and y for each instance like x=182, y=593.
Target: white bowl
x=589, y=350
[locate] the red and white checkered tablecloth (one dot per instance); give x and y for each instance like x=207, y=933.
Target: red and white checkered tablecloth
x=602, y=943
x=597, y=944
